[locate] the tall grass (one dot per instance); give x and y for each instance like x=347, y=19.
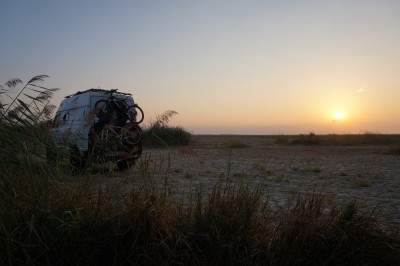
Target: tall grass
x=23, y=126
x=46, y=218
x=231, y=226
x=160, y=134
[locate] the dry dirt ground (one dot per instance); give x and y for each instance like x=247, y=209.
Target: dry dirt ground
x=343, y=173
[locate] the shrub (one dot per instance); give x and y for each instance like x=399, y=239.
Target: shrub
x=161, y=134
x=310, y=139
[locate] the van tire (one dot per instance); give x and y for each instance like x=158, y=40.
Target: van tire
x=122, y=164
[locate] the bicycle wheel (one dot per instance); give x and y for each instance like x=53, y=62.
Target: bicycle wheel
x=135, y=114
x=131, y=134
x=105, y=111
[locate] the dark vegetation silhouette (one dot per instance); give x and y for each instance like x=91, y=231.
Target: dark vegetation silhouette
x=160, y=134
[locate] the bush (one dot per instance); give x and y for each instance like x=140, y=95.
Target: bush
x=160, y=134
x=310, y=139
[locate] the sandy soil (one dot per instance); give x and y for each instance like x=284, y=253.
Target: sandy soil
x=362, y=173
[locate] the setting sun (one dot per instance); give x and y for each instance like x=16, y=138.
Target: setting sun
x=339, y=116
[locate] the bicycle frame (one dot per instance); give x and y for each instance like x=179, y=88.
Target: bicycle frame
x=110, y=133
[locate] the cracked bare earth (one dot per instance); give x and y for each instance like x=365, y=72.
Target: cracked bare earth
x=342, y=173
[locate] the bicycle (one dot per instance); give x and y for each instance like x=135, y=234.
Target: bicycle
x=120, y=144
x=128, y=135
x=124, y=111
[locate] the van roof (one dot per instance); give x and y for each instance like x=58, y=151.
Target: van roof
x=97, y=90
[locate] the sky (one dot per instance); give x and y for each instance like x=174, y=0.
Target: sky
x=226, y=66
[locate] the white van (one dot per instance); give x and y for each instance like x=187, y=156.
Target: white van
x=102, y=125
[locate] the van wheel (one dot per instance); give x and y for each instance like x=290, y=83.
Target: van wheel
x=123, y=164
x=75, y=159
